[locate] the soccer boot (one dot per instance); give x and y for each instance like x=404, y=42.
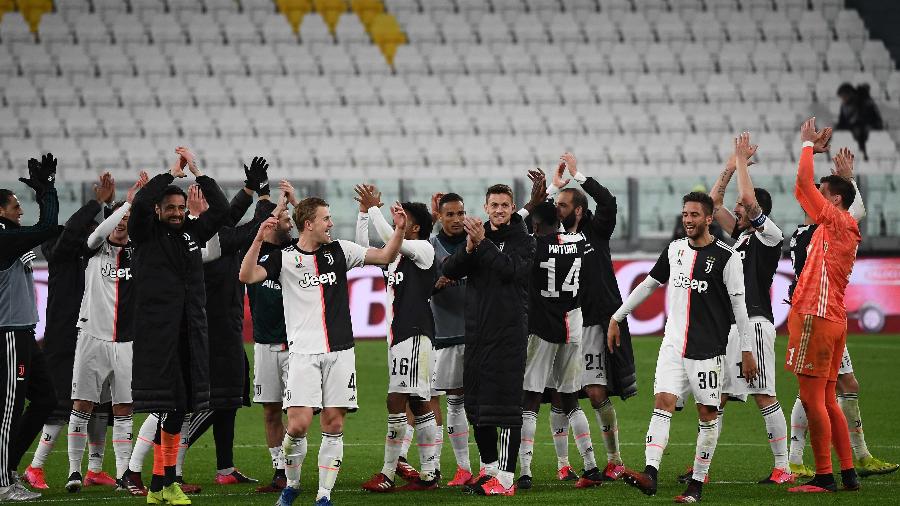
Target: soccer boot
x=474, y=486
x=869, y=466
x=524, y=482
x=778, y=477
x=461, y=478
x=131, y=482
x=494, y=487
x=187, y=488
x=566, y=474
x=850, y=480
x=279, y=481
x=379, y=483
x=641, y=481
x=406, y=471
x=420, y=484
x=287, y=497
x=17, y=493
x=233, y=478
x=590, y=478
x=691, y=494
x=34, y=476
x=819, y=484
x=688, y=475
x=613, y=472
x=155, y=497
x=99, y=478
x=323, y=501
x=173, y=494
x=74, y=483
x=801, y=471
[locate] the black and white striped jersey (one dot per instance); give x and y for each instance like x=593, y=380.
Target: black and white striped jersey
x=760, y=251
x=555, y=285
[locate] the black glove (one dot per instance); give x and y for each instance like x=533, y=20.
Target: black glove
x=41, y=174
x=257, y=177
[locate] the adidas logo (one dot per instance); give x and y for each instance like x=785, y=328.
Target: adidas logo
x=794, y=438
x=352, y=398
x=403, y=384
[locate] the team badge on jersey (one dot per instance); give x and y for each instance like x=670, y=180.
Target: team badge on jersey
x=710, y=261
x=328, y=256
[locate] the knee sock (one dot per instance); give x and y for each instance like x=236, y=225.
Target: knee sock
x=97, y=440
x=393, y=442
x=559, y=427
x=425, y=436
x=438, y=447
x=170, y=440
x=657, y=437
x=294, y=451
x=144, y=443
x=776, y=429
x=812, y=394
x=159, y=468
x=720, y=418
x=486, y=439
x=707, y=437
x=407, y=441
x=579, y=423
x=799, y=425
x=458, y=430
x=277, y=454
x=193, y=426
x=508, y=453
x=78, y=422
x=45, y=444
x=606, y=418
x=121, y=440
x=331, y=453
x=223, y=434
x=526, y=448
x=849, y=404
x=840, y=438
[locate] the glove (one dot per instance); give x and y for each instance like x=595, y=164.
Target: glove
x=257, y=177
x=41, y=174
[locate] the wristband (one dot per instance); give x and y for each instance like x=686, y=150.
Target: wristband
x=759, y=221
x=808, y=144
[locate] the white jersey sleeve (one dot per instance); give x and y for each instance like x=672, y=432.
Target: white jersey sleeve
x=107, y=226
x=857, y=208
x=734, y=274
x=419, y=251
x=354, y=253
x=362, y=229
x=769, y=234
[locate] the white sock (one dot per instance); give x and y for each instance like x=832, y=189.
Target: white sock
x=579, y=423
x=720, y=417
x=657, y=437
x=331, y=453
x=559, y=427
x=144, y=443
x=707, y=437
x=505, y=478
x=776, y=429
x=225, y=472
x=97, y=440
x=407, y=441
x=78, y=436
x=850, y=406
x=277, y=454
x=426, y=429
x=606, y=418
x=799, y=426
x=491, y=468
x=183, y=444
x=526, y=447
x=294, y=449
x=438, y=447
x=458, y=430
x=121, y=441
x=393, y=442
x=45, y=445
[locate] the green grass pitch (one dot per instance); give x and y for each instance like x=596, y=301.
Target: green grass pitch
x=742, y=456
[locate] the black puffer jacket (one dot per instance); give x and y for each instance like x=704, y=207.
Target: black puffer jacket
x=498, y=273
x=171, y=354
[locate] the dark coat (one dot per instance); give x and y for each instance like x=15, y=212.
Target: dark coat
x=228, y=364
x=171, y=354
x=497, y=281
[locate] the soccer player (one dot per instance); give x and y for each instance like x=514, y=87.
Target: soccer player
x=706, y=290
x=554, y=341
x=322, y=370
x=170, y=372
x=25, y=373
x=103, y=353
x=448, y=301
x=496, y=263
x=410, y=328
x=847, y=387
x=759, y=242
x=817, y=321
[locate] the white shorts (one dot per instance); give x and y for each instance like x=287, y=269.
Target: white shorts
x=593, y=348
x=553, y=365
x=846, y=364
x=448, y=367
x=763, y=349
x=679, y=376
x=321, y=380
x=409, y=367
x=270, y=372
x=101, y=365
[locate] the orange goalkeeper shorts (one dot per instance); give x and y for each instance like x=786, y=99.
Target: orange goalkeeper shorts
x=815, y=346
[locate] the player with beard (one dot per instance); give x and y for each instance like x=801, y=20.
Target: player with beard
x=496, y=263
x=759, y=242
x=171, y=355
x=322, y=364
x=706, y=292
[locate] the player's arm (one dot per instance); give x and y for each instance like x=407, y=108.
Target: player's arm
x=721, y=213
x=143, y=214
x=387, y=254
x=419, y=251
x=41, y=179
x=71, y=240
x=604, y=219
x=234, y=239
x=658, y=275
x=251, y=272
x=107, y=226
x=734, y=283
x=805, y=189
x=509, y=264
x=843, y=167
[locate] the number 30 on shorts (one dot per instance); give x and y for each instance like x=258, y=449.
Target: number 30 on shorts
x=710, y=379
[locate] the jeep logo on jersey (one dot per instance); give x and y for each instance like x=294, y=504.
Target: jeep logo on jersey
x=710, y=261
x=682, y=281
x=328, y=256
x=394, y=278
x=309, y=280
x=111, y=272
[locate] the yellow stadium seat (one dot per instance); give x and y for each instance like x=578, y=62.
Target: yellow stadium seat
x=331, y=11
x=367, y=10
x=294, y=10
x=387, y=35
x=32, y=10
x=7, y=6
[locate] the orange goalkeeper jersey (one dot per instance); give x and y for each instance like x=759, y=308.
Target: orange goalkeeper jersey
x=831, y=252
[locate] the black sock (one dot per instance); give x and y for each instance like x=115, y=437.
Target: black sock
x=170, y=475
x=157, y=483
x=651, y=472
x=486, y=439
x=848, y=476
x=223, y=434
x=695, y=485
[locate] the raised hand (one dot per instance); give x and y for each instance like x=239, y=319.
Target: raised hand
x=538, y=188
x=558, y=180
x=569, y=160
x=266, y=227
x=743, y=150
x=843, y=164
x=823, y=141
x=435, y=205
x=399, y=215
x=105, y=189
x=41, y=174
x=196, y=203
x=177, y=167
x=288, y=189
x=190, y=159
x=257, y=176
x=475, y=229
x=368, y=197
x=142, y=180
